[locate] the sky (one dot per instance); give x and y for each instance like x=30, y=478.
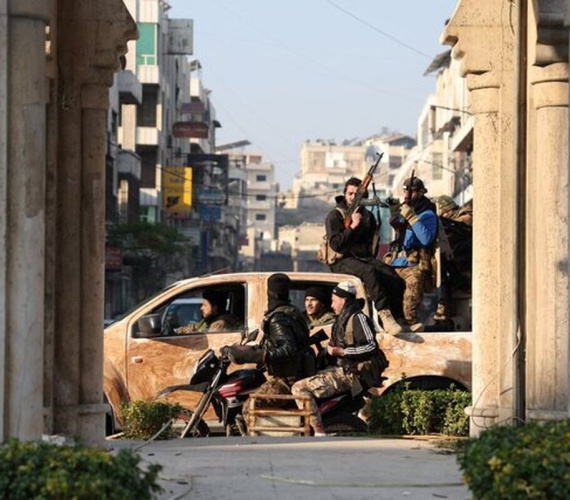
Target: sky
x=282, y=73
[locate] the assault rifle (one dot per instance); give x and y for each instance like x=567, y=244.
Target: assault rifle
x=398, y=243
x=362, y=191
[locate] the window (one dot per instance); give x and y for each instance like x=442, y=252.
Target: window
x=260, y=217
x=146, y=111
x=146, y=44
x=182, y=315
x=260, y=178
x=260, y=197
x=437, y=166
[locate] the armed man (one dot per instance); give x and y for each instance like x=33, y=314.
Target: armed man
x=416, y=225
x=354, y=234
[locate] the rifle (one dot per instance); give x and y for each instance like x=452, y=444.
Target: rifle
x=362, y=190
x=401, y=233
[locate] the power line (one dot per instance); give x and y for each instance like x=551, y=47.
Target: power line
x=378, y=30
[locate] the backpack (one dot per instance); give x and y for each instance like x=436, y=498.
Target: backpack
x=326, y=254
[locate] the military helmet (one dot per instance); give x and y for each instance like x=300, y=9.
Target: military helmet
x=416, y=184
x=445, y=203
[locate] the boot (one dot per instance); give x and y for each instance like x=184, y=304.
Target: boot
x=389, y=324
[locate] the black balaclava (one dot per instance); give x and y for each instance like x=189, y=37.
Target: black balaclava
x=278, y=290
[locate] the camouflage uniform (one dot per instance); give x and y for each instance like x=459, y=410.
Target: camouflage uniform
x=353, y=332
x=327, y=317
x=415, y=281
x=218, y=323
x=328, y=382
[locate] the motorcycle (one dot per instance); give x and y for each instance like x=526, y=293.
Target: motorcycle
x=227, y=393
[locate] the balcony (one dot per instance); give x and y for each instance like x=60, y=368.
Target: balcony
x=128, y=163
x=147, y=136
x=130, y=89
x=149, y=74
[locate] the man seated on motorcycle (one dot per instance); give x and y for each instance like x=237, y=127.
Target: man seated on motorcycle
x=215, y=317
x=317, y=306
x=285, y=344
x=352, y=341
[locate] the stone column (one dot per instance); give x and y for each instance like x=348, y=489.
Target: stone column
x=22, y=215
x=92, y=36
x=548, y=296
x=482, y=39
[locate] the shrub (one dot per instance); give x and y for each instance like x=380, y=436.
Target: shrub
x=144, y=419
x=405, y=411
x=47, y=471
x=532, y=461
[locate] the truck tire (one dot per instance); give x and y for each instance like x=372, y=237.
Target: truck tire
x=344, y=423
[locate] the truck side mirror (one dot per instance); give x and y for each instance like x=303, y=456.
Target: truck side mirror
x=149, y=326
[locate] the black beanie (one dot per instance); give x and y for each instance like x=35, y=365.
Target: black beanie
x=320, y=293
x=216, y=298
x=278, y=287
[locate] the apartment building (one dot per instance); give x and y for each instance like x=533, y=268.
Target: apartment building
x=442, y=157
x=252, y=186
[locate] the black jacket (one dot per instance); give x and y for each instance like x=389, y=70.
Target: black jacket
x=285, y=342
x=353, y=331
x=351, y=242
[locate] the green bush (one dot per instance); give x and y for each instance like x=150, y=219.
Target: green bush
x=47, y=471
x=405, y=411
x=145, y=418
x=531, y=461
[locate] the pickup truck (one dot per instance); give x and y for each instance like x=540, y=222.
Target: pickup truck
x=142, y=355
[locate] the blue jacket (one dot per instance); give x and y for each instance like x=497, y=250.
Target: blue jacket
x=422, y=234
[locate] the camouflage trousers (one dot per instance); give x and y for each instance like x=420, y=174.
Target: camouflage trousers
x=328, y=382
x=414, y=292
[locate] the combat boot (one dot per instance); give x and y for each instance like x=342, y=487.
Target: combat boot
x=389, y=324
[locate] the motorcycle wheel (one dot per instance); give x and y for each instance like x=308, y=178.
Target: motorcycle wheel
x=200, y=429
x=344, y=424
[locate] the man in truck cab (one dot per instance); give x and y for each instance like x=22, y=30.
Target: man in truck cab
x=215, y=317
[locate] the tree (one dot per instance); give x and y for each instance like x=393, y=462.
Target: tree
x=153, y=251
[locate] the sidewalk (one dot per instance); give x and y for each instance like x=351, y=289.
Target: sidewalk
x=299, y=467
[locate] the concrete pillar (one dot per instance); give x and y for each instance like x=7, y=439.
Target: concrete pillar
x=486, y=239
x=482, y=39
x=22, y=215
x=548, y=293
x=88, y=55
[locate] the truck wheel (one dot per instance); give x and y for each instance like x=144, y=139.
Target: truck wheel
x=345, y=423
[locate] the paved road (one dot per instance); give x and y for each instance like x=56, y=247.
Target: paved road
x=297, y=468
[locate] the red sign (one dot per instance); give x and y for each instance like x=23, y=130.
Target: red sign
x=113, y=259
x=198, y=130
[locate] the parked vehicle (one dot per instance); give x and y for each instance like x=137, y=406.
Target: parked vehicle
x=141, y=359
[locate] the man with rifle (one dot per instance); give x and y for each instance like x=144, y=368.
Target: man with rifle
x=416, y=225
x=352, y=231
